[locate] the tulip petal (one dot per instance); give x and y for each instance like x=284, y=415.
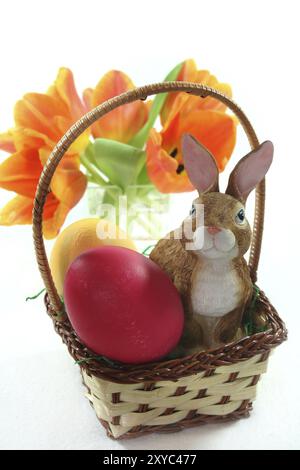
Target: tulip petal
x=68, y=186
x=36, y=111
x=7, y=142
x=64, y=90
x=124, y=122
x=187, y=73
x=63, y=124
x=185, y=103
x=20, y=173
x=174, y=115
x=212, y=103
x=17, y=211
x=88, y=98
x=161, y=168
x=53, y=114
x=41, y=120
x=214, y=129
x=70, y=160
x=44, y=154
x=29, y=139
x=52, y=226
x=195, y=102
x=54, y=216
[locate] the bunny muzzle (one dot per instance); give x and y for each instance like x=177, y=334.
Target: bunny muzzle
x=213, y=243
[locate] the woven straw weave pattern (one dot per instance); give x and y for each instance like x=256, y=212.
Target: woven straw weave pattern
x=137, y=406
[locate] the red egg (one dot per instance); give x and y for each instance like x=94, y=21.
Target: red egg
x=122, y=305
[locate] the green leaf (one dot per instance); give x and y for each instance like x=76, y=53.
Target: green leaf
x=121, y=163
x=140, y=138
x=143, y=178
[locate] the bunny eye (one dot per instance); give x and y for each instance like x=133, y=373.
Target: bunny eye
x=193, y=210
x=240, y=217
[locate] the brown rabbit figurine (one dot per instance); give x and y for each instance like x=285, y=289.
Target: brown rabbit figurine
x=204, y=257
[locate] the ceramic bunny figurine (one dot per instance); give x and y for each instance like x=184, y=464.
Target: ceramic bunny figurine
x=205, y=259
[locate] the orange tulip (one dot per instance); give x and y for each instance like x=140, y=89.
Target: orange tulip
x=122, y=123
x=204, y=118
x=40, y=121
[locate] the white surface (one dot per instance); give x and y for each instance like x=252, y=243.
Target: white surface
x=252, y=45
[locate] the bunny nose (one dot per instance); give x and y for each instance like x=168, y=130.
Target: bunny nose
x=213, y=230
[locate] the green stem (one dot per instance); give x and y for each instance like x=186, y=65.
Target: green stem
x=141, y=137
x=93, y=170
x=94, y=176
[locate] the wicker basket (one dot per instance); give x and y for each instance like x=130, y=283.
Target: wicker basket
x=206, y=387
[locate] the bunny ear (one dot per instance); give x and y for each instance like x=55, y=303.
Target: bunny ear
x=249, y=171
x=200, y=165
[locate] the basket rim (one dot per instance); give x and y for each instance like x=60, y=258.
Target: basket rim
x=174, y=369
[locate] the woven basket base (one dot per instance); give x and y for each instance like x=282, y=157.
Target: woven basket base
x=224, y=393
x=213, y=386
x=184, y=424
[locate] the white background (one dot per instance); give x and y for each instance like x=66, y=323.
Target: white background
x=253, y=45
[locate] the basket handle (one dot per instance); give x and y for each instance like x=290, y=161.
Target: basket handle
x=89, y=118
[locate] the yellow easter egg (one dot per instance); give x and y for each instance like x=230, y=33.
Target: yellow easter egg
x=79, y=237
